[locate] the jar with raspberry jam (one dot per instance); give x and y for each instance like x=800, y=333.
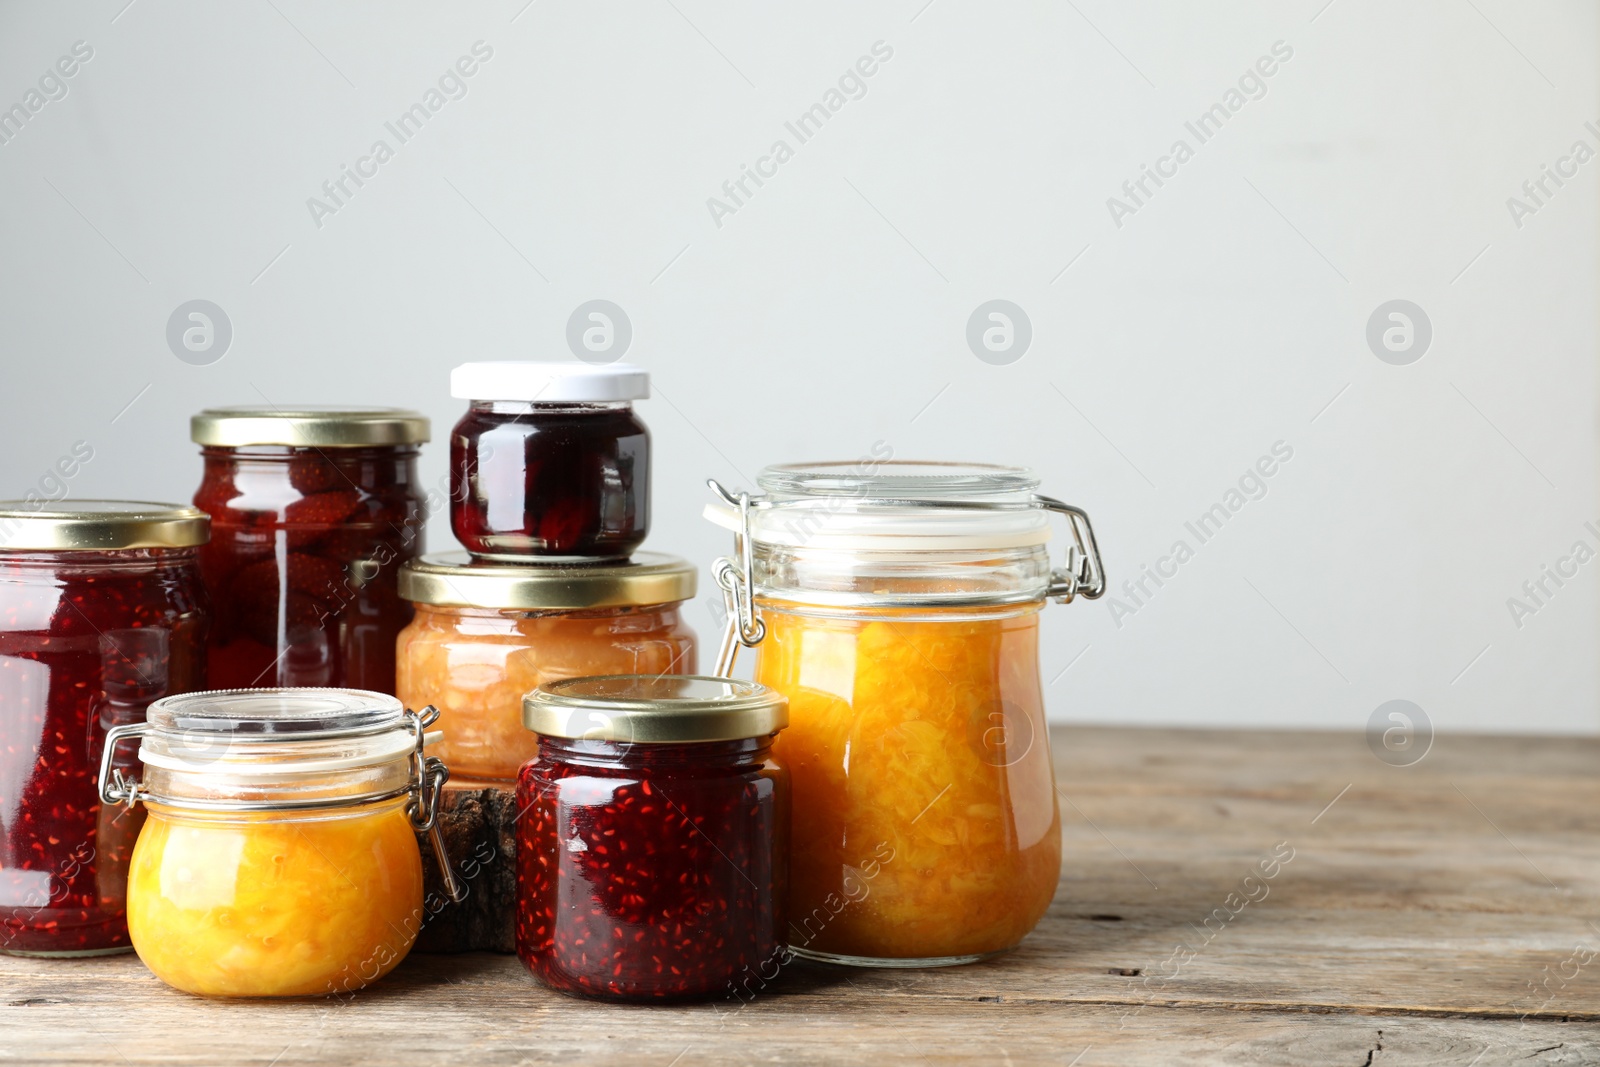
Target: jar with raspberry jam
x=313, y=510
x=550, y=460
x=653, y=838
x=102, y=611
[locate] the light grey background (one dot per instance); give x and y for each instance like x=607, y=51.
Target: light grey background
x=829, y=312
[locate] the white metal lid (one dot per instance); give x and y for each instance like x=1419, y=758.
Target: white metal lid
x=554, y=383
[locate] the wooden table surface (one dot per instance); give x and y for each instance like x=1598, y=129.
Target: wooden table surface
x=1444, y=913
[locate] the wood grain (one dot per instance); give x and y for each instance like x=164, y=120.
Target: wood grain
x=1445, y=913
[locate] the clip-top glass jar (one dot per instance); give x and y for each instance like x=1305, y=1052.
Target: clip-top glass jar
x=101, y=611
x=485, y=634
x=279, y=857
x=550, y=460
x=312, y=512
x=652, y=838
x=897, y=608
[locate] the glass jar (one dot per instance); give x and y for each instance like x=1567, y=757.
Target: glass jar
x=485, y=634
x=279, y=858
x=101, y=611
x=896, y=605
x=313, y=510
x=550, y=460
x=652, y=838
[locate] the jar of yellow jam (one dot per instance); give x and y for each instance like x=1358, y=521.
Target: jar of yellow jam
x=896, y=605
x=279, y=855
x=487, y=633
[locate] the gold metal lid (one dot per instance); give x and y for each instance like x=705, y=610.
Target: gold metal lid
x=308, y=426
x=456, y=579
x=101, y=526
x=655, y=709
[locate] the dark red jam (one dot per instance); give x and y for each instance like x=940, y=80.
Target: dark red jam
x=87, y=640
x=651, y=872
x=306, y=545
x=549, y=479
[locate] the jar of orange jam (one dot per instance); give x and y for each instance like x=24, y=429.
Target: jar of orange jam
x=896, y=604
x=487, y=633
x=279, y=855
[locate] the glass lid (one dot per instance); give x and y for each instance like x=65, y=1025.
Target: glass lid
x=893, y=505
x=277, y=714
x=899, y=480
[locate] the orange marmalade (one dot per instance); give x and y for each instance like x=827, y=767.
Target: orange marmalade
x=280, y=856
x=475, y=664
x=925, y=819
x=485, y=633
x=266, y=905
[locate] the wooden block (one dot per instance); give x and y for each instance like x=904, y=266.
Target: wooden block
x=479, y=824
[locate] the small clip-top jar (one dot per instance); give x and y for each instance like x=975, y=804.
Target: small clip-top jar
x=279, y=857
x=312, y=512
x=550, y=460
x=101, y=611
x=487, y=633
x=897, y=606
x=652, y=838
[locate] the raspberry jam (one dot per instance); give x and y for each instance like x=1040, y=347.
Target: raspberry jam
x=87, y=640
x=652, y=871
x=305, y=550
x=549, y=460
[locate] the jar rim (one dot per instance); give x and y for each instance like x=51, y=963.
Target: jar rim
x=654, y=709
x=308, y=426
x=101, y=526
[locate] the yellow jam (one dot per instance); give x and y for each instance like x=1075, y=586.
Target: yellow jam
x=475, y=664
x=272, y=905
x=925, y=818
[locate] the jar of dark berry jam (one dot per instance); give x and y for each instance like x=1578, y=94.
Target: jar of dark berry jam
x=653, y=837
x=550, y=460
x=313, y=510
x=101, y=612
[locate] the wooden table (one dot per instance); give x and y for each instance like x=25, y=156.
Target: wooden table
x=1444, y=913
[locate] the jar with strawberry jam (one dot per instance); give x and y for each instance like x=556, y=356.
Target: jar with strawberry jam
x=550, y=460
x=101, y=612
x=652, y=838
x=313, y=510
x=896, y=604
x=485, y=634
x=280, y=855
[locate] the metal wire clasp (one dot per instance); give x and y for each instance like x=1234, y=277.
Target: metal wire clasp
x=429, y=776
x=1084, y=575
x=115, y=788
x=737, y=582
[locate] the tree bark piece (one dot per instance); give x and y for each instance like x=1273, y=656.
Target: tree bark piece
x=479, y=827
